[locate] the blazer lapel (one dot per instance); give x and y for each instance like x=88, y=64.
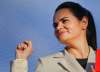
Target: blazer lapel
x=91, y=60
x=61, y=61
x=69, y=63
x=73, y=62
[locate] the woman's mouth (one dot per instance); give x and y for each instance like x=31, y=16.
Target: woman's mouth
x=62, y=33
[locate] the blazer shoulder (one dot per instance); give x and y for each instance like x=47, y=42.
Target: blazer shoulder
x=53, y=56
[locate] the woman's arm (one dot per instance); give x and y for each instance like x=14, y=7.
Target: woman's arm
x=23, y=52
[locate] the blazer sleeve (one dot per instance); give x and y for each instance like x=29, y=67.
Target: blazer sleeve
x=19, y=65
x=40, y=66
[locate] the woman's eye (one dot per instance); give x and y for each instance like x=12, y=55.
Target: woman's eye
x=64, y=21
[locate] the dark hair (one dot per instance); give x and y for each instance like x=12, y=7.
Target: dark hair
x=80, y=12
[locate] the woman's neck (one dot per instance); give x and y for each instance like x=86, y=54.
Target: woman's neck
x=78, y=48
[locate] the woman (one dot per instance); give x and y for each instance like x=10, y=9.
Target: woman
x=74, y=27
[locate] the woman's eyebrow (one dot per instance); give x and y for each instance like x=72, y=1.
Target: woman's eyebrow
x=63, y=18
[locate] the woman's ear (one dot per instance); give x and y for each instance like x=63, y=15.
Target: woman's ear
x=84, y=22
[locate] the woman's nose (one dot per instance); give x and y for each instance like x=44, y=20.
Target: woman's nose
x=60, y=25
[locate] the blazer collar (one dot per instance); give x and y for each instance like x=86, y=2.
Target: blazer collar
x=70, y=64
x=91, y=60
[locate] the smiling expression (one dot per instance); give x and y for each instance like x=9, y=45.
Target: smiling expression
x=67, y=26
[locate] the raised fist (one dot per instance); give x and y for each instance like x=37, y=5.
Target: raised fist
x=24, y=50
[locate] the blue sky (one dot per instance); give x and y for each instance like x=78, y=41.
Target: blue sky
x=32, y=20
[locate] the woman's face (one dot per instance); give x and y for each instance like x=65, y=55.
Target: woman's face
x=67, y=26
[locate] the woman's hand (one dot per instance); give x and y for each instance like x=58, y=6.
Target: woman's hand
x=24, y=50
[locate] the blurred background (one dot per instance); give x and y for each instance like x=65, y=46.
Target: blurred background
x=32, y=20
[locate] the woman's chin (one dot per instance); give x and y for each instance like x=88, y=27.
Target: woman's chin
x=63, y=39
